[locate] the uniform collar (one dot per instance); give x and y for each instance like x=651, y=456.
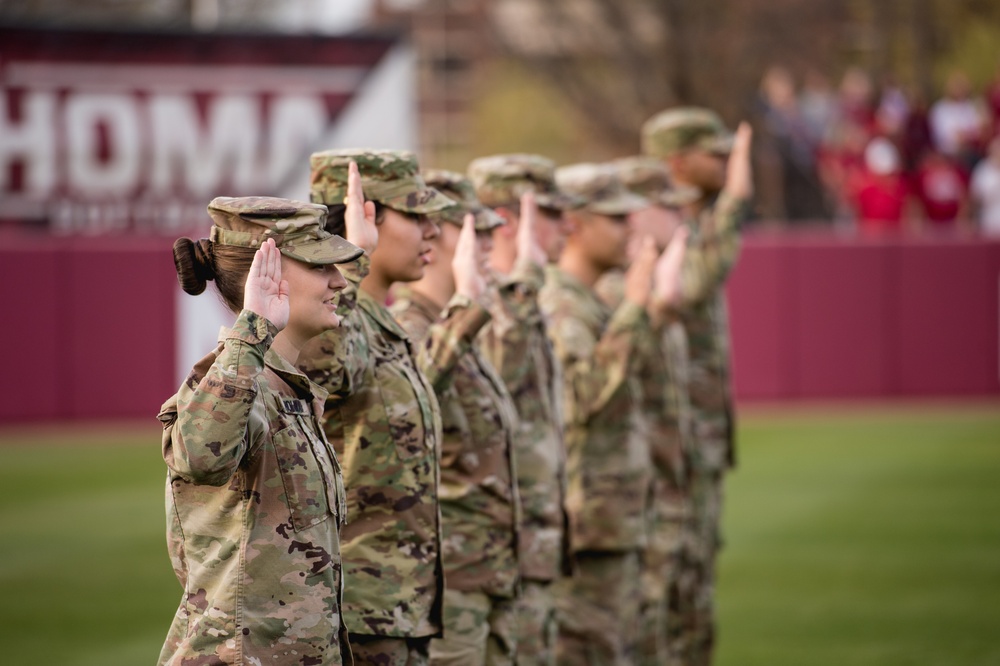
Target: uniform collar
x=299, y=383
x=563, y=280
x=381, y=315
x=424, y=305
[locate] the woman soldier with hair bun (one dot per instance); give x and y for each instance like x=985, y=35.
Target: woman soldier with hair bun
x=254, y=491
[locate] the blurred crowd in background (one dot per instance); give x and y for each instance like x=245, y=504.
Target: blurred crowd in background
x=881, y=156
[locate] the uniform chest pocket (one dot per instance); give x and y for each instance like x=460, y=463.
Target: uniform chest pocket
x=303, y=475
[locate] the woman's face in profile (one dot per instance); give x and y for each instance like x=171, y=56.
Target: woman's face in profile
x=404, y=246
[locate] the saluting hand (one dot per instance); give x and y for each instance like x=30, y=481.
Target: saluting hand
x=265, y=292
x=359, y=218
x=739, y=174
x=639, y=276
x=466, y=265
x=667, y=275
x=528, y=246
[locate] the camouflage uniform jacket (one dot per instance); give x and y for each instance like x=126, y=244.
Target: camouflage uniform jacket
x=382, y=417
x=713, y=249
x=665, y=404
x=517, y=345
x=254, y=500
x=607, y=446
x=479, y=502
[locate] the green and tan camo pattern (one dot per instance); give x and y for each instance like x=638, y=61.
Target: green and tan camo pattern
x=297, y=228
x=517, y=345
x=682, y=128
x=479, y=501
x=500, y=180
x=665, y=403
x=648, y=177
x=458, y=188
x=607, y=447
x=391, y=177
x=254, y=500
x=663, y=376
x=600, y=188
x=382, y=417
x=713, y=248
x=479, y=629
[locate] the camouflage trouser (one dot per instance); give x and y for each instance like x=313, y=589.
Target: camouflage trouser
x=479, y=630
x=660, y=565
x=598, y=610
x=702, y=549
x=389, y=650
x=681, y=611
x=536, y=624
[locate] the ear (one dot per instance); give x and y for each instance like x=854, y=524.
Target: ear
x=573, y=221
x=508, y=230
x=677, y=165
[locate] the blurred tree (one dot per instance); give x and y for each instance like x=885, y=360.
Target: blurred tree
x=619, y=61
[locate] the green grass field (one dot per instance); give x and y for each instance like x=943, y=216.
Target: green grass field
x=853, y=537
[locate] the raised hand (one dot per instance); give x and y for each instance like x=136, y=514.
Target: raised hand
x=528, y=247
x=739, y=174
x=639, y=276
x=359, y=218
x=667, y=274
x=265, y=292
x=466, y=265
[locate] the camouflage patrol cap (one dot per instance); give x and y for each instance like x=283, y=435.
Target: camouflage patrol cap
x=648, y=177
x=600, y=188
x=390, y=177
x=459, y=188
x=500, y=180
x=674, y=130
x=296, y=227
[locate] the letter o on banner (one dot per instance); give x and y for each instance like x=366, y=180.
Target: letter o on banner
x=91, y=173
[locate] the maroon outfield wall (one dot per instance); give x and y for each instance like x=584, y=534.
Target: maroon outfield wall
x=823, y=317
x=89, y=331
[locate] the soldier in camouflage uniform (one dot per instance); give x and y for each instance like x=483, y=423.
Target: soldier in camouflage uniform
x=382, y=415
x=695, y=145
x=608, y=457
x=665, y=403
x=254, y=490
x=517, y=344
x=480, y=511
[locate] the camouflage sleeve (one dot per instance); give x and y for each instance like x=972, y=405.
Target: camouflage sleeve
x=337, y=359
x=444, y=341
x=205, y=425
x=516, y=318
x=713, y=248
x=595, y=369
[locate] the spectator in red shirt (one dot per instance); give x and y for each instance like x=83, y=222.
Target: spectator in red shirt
x=942, y=188
x=881, y=194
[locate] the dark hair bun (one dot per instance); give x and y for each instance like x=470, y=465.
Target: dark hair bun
x=194, y=264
